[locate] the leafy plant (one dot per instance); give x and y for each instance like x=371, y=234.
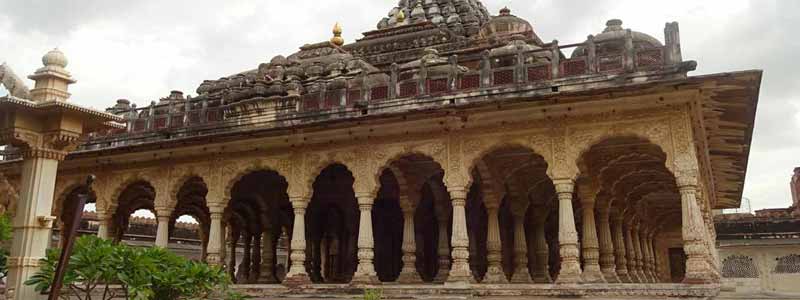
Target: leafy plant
x=5, y=235
x=141, y=273
x=373, y=294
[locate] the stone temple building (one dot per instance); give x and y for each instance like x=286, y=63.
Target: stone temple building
x=449, y=151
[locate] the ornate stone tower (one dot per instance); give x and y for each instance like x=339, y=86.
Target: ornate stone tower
x=45, y=128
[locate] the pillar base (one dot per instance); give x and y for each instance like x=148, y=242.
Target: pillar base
x=294, y=280
x=494, y=274
x=542, y=278
x=611, y=276
x=409, y=277
x=623, y=277
x=592, y=275
x=521, y=275
x=365, y=279
x=442, y=275
x=456, y=277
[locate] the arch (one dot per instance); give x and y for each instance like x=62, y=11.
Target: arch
x=236, y=175
x=479, y=150
x=409, y=181
x=581, y=142
x=789, y=264
x=124, y=182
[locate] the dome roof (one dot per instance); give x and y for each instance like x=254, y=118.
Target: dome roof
x=506, y=25
x=615, y=32
x=55, y=58
x=462, y=16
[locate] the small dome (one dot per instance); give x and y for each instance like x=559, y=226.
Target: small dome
x=55, y=58
x=613, y=39
x=507, y=25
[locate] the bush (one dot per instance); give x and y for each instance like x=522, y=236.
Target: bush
x=5, y=234
x=142, y=273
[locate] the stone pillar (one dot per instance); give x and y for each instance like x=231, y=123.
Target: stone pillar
x=646, y=269
x=365, y=272
x=102, y=228
x=698, y=270
x=459, y=271
x=234, y=239
x=637, y=250
x=443, y=251
x=619, y=250
x=567, y=235
x=591, y=254
x=162, y=235
x=255, y=265
x=297, y=271
x=31, y=225
x=215, y=238
x=654, y=261
x=607, y=263
x=631, y=256
x=648, y=254
x=541, y=272
x=243, y=274
x=408, y=274
x=521, y=273
x=494, y=272
x=267, y=274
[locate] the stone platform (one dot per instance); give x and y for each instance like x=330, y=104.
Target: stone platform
x=485, y=291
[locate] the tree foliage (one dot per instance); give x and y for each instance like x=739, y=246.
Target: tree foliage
x=100, y=268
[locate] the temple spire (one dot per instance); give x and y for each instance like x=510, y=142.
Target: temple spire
x=337, y=35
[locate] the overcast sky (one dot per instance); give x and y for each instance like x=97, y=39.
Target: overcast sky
x=140, y=50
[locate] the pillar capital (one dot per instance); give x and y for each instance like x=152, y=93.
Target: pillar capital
x=564, y=186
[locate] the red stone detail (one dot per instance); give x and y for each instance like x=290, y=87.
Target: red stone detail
x=408, y=89
x=161, y=122
x=213, y=115
x=311, y=102
x=470, y=82
x=649, y=58
x=139, y=125
x=437, y=86
x=332, y=99
x=573, y=67
x=379, y=93
x=609, y=63
x=539, y=73
x=353, y=96
x=503, y=77
x=194, y=117
x=177, y=121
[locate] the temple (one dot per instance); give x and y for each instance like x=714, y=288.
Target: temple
x=450, y=151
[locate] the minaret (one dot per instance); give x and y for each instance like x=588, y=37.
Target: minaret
x=52, y=80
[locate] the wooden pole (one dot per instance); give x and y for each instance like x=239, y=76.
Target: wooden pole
x=69, y=238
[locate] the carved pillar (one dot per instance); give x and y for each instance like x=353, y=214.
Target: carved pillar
x=653, y=260
x=255, y=264
x=631, y=255
x=267, y=275
x=494, y=272
x=698, y=270
x=459, y=272
x=619, y=250
x=646, y=270
x=297, y=271
x=541, y=272
x=607, y=264
x=591, y=254
x=243, y=274
x=31, y=224
x=233, y=239
x=637, y=248
x=443, y=251
x=648, y=255
x=102, y=228
x=215, y=243
x=365, y=272
x=162, y=235
x=408, y=274
x=567, y=235
x=521, y=272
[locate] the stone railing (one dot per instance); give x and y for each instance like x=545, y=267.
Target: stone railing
x=545, y=68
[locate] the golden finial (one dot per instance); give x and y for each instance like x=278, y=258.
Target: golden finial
x=401, y=16
x=337, y=35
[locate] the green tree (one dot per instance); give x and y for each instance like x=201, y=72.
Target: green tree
x=142, y=273
x=5, y=235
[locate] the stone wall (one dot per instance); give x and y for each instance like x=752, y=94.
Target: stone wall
x=761, y=265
